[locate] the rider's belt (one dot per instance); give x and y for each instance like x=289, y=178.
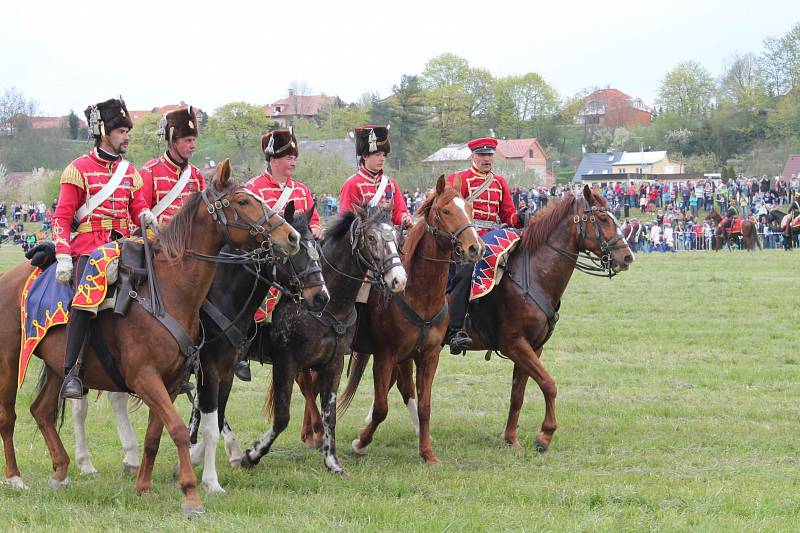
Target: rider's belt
x=104, y=224
x=486, y=224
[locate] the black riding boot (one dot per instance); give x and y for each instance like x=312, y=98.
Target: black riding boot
x=242, y=369
x=77, y=335
x=457, y=337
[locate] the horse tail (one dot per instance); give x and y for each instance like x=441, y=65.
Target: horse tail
x=356, y=367
x=269, y=402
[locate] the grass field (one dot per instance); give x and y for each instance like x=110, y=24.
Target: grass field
x=679, y=409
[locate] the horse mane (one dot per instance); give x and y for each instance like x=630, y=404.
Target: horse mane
x=418, y=231
x=174, y=238
x=545, y=221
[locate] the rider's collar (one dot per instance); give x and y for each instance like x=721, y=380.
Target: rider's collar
x=106, y=157
x=477, y=172
x=176, y=165
x=372, y=176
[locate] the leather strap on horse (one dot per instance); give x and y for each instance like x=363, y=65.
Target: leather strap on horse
x=424, y=325
x=232, y=333
x=105, y=357
x=541, y=301
x=339, y=327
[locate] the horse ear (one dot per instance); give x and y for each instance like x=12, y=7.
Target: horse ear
x=457, y=182
x=288, y=213
x=223, y=174
x=358, y=210
x=587, y=193
x=440, y=183
x=310, y=212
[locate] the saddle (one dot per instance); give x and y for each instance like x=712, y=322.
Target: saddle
x=132, y=274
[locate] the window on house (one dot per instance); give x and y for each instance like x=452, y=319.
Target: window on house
x=530, y=153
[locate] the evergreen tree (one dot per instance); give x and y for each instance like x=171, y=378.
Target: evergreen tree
x=74, y=124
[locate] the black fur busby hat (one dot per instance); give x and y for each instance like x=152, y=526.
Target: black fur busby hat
x=371, y=139
x=106, y=116
x=181, y=122
x=279, y=143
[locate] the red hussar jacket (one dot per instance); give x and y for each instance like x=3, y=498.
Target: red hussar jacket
x=270, y=190
x=82, y=179
x=159, y=176
x=493, y=205
x=361, y=187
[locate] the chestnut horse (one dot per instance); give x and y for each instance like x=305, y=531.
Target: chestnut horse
x=413, y=326
x=146, y=354
x=749, y=233
x=517, y=318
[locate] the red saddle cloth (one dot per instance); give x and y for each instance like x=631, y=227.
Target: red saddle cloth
x=264, y=311
x=498, y=244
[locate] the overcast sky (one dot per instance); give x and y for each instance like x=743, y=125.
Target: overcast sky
x=66, y=55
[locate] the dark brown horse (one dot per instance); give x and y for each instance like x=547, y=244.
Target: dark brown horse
x=749, y=235
x=146, y=354
x=413, y=326
x=517, y=318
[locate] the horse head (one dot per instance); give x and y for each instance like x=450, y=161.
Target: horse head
x=376, y=242
x=245, y=220
x=303, y=270
x=451, y=218
x=599, y=232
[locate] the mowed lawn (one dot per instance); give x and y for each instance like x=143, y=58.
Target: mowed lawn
x=678, y=409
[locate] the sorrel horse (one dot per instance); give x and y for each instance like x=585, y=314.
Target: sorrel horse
x=518, y=316
x=359, y=245
x=226, y=315
x=413, y=326
x=724, y=238
x=145, y=352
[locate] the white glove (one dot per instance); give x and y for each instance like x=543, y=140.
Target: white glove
x=147, y=217
x=64, y=268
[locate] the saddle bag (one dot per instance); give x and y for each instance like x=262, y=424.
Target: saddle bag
x=132, y=274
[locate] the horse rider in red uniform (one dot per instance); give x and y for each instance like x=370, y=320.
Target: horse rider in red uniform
x=170, y=178
x=492, y=207
x=794, y=212
x=277, y=187
x=99, y=193
x=369, y=186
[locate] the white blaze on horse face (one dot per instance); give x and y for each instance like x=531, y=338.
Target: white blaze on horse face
x=461, y=204
x=395, y=277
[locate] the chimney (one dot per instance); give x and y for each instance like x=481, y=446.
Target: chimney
x=291, y=93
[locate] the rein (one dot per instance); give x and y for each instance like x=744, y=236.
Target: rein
x=591, y=265
x=451, y=236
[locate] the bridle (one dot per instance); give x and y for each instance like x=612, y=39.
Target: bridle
x=450, y=237
x=372, y=269
x=592, y=265
x=311, y=276
x=216, y=202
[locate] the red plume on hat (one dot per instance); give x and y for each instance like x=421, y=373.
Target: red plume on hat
x=181, y=122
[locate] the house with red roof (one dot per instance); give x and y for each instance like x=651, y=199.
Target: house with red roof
x=527, y=151
x=612, y=108
x=160, y=111
x=297, y=106
x=792, y=167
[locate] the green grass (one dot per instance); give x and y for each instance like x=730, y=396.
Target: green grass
x=678, y=410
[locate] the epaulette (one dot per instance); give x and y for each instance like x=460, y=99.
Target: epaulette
x=72, y=176
x=137, y=180
x=150, y=164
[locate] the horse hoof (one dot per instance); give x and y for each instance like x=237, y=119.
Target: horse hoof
x=358, y=450
x=432, y=461
x=192, y=511
x=16, y=482
x=334, y=466
x=213, y=486
x=130, y=470
x=541, y=446
x=56, y=484
x=235, y=462
x=246, y=463
x=87, y=469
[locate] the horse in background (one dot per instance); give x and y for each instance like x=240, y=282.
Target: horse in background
x=725, y=237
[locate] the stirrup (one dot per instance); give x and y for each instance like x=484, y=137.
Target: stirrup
x=459, y=342
x=242, y=371
x=72, y=388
